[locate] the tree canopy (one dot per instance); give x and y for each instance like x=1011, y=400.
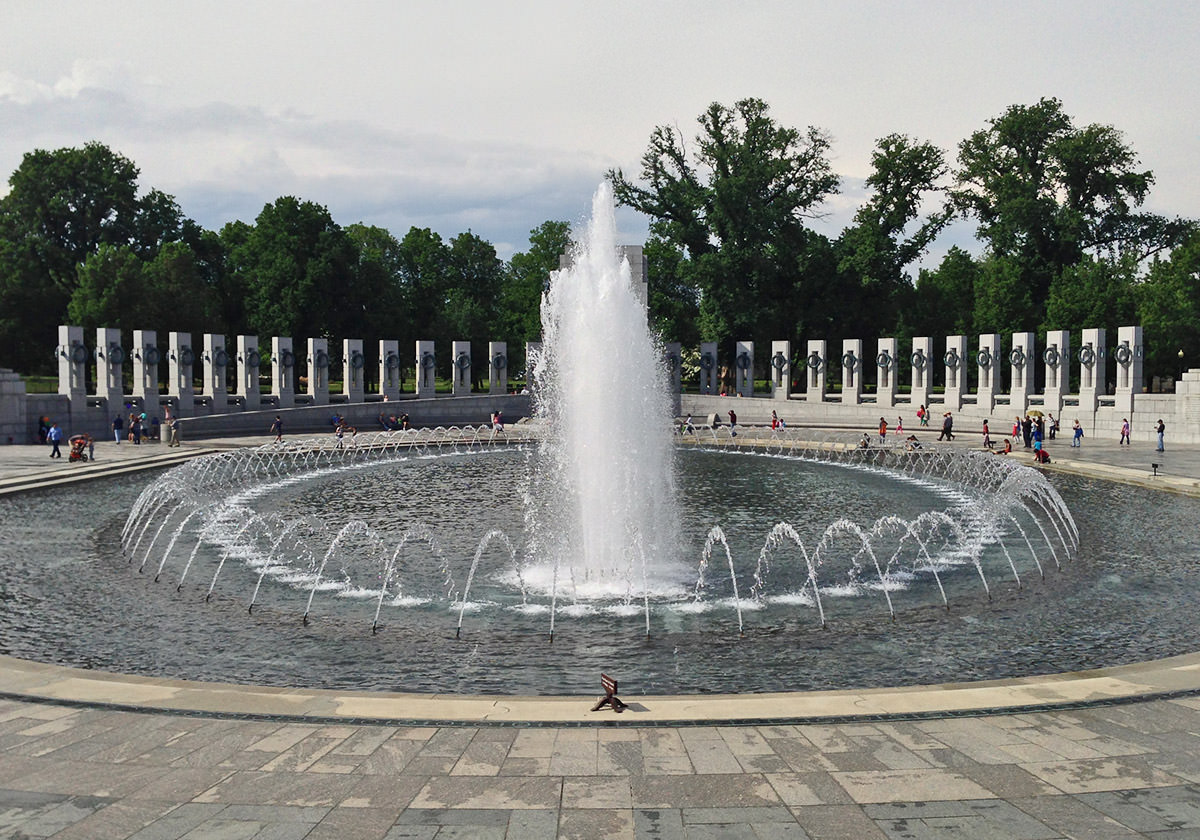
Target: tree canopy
x=734, y=249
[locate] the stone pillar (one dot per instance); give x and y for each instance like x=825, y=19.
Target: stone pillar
x=216, y=363
x=743, y=367
x=922, y=370
x=354, y=368
x=248, y=362
x=1092, y=357
x=1022, y=360
x=318, y=371
x=14, y=410
x=988, y=362
x=781, y=369
x=146, y=357
x=72, y=367
x=673, y=359
x=497, y=367
x=708, y=367
x=886, y=364
x=852, y=371
x=1129, y=354
x=180, y=364
x=956, y=362
x=110, y=365
x=533, y=356
x=283, y=371
x=1057, y=359
x=389, y=368
x=460, y=353
x=816, y=361
x=426, y=369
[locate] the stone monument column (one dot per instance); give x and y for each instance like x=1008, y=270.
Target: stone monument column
x=354, y=368
x=674, y=363
x=852, y=371
x=1129, y=354
x=1092, y=357
x=283, y=371
x=460, y=385
x=497, y=367
x=318, y=371
x=1022, y=359
x=426, y=369
x=708, y=367
x=389, y=368
x=146, y=357
x=181, y=362
x=816, y=361
x=886, y=363
x=72, y=367
x=1057, y=359
x=922, y=370
x=110, y=364
x=988, y=363
x=781, y=369
x=955, y=360
x=216, y=363
x=248, y=362
x=743, y=367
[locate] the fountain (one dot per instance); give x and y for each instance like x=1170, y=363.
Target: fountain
x=775, y=560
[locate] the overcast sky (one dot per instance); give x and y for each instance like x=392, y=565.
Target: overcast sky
x=495, y=116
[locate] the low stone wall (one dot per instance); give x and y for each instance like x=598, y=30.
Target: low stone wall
x=474, y=410
x=1180, y=413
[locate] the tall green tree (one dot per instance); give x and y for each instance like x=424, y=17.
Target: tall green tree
x=1045, y=193
x=526, y=278
x=944, y=303
x=888, y=233
x=1168, y=308
x=296, y=267
x=734, y=203
x=473, y=298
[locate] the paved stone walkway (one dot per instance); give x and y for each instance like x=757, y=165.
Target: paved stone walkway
x=1130, y=770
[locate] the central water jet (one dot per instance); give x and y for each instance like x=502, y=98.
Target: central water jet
x=604, y=519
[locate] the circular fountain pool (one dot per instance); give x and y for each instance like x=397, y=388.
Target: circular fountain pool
x=70, y=596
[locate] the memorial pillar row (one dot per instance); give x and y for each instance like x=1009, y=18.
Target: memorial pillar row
x=781, y=369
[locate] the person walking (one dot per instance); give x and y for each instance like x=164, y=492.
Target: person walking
x=923, y=415
x=732, y=423
x=277, y=429
x=173, y=428
x=54, y=437
x=1161, y=428
x=987, y=436
x=1124, y=433
x=882, y=430
x=1077, y=434
x=947, y=427
x=117, y=426
x=899, y=427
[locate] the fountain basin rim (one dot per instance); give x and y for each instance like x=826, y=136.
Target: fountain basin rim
x=28, y=681
x=33, y=681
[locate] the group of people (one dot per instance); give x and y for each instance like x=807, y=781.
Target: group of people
x=393, y=422
x=138, y=426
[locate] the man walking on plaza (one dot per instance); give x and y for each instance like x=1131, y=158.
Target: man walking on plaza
x=54, y=437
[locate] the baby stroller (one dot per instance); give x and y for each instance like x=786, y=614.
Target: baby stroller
x=79, y=447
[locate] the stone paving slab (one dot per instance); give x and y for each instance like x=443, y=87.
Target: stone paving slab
x=252, y=787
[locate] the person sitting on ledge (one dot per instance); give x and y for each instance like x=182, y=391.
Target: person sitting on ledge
x=911, y=443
